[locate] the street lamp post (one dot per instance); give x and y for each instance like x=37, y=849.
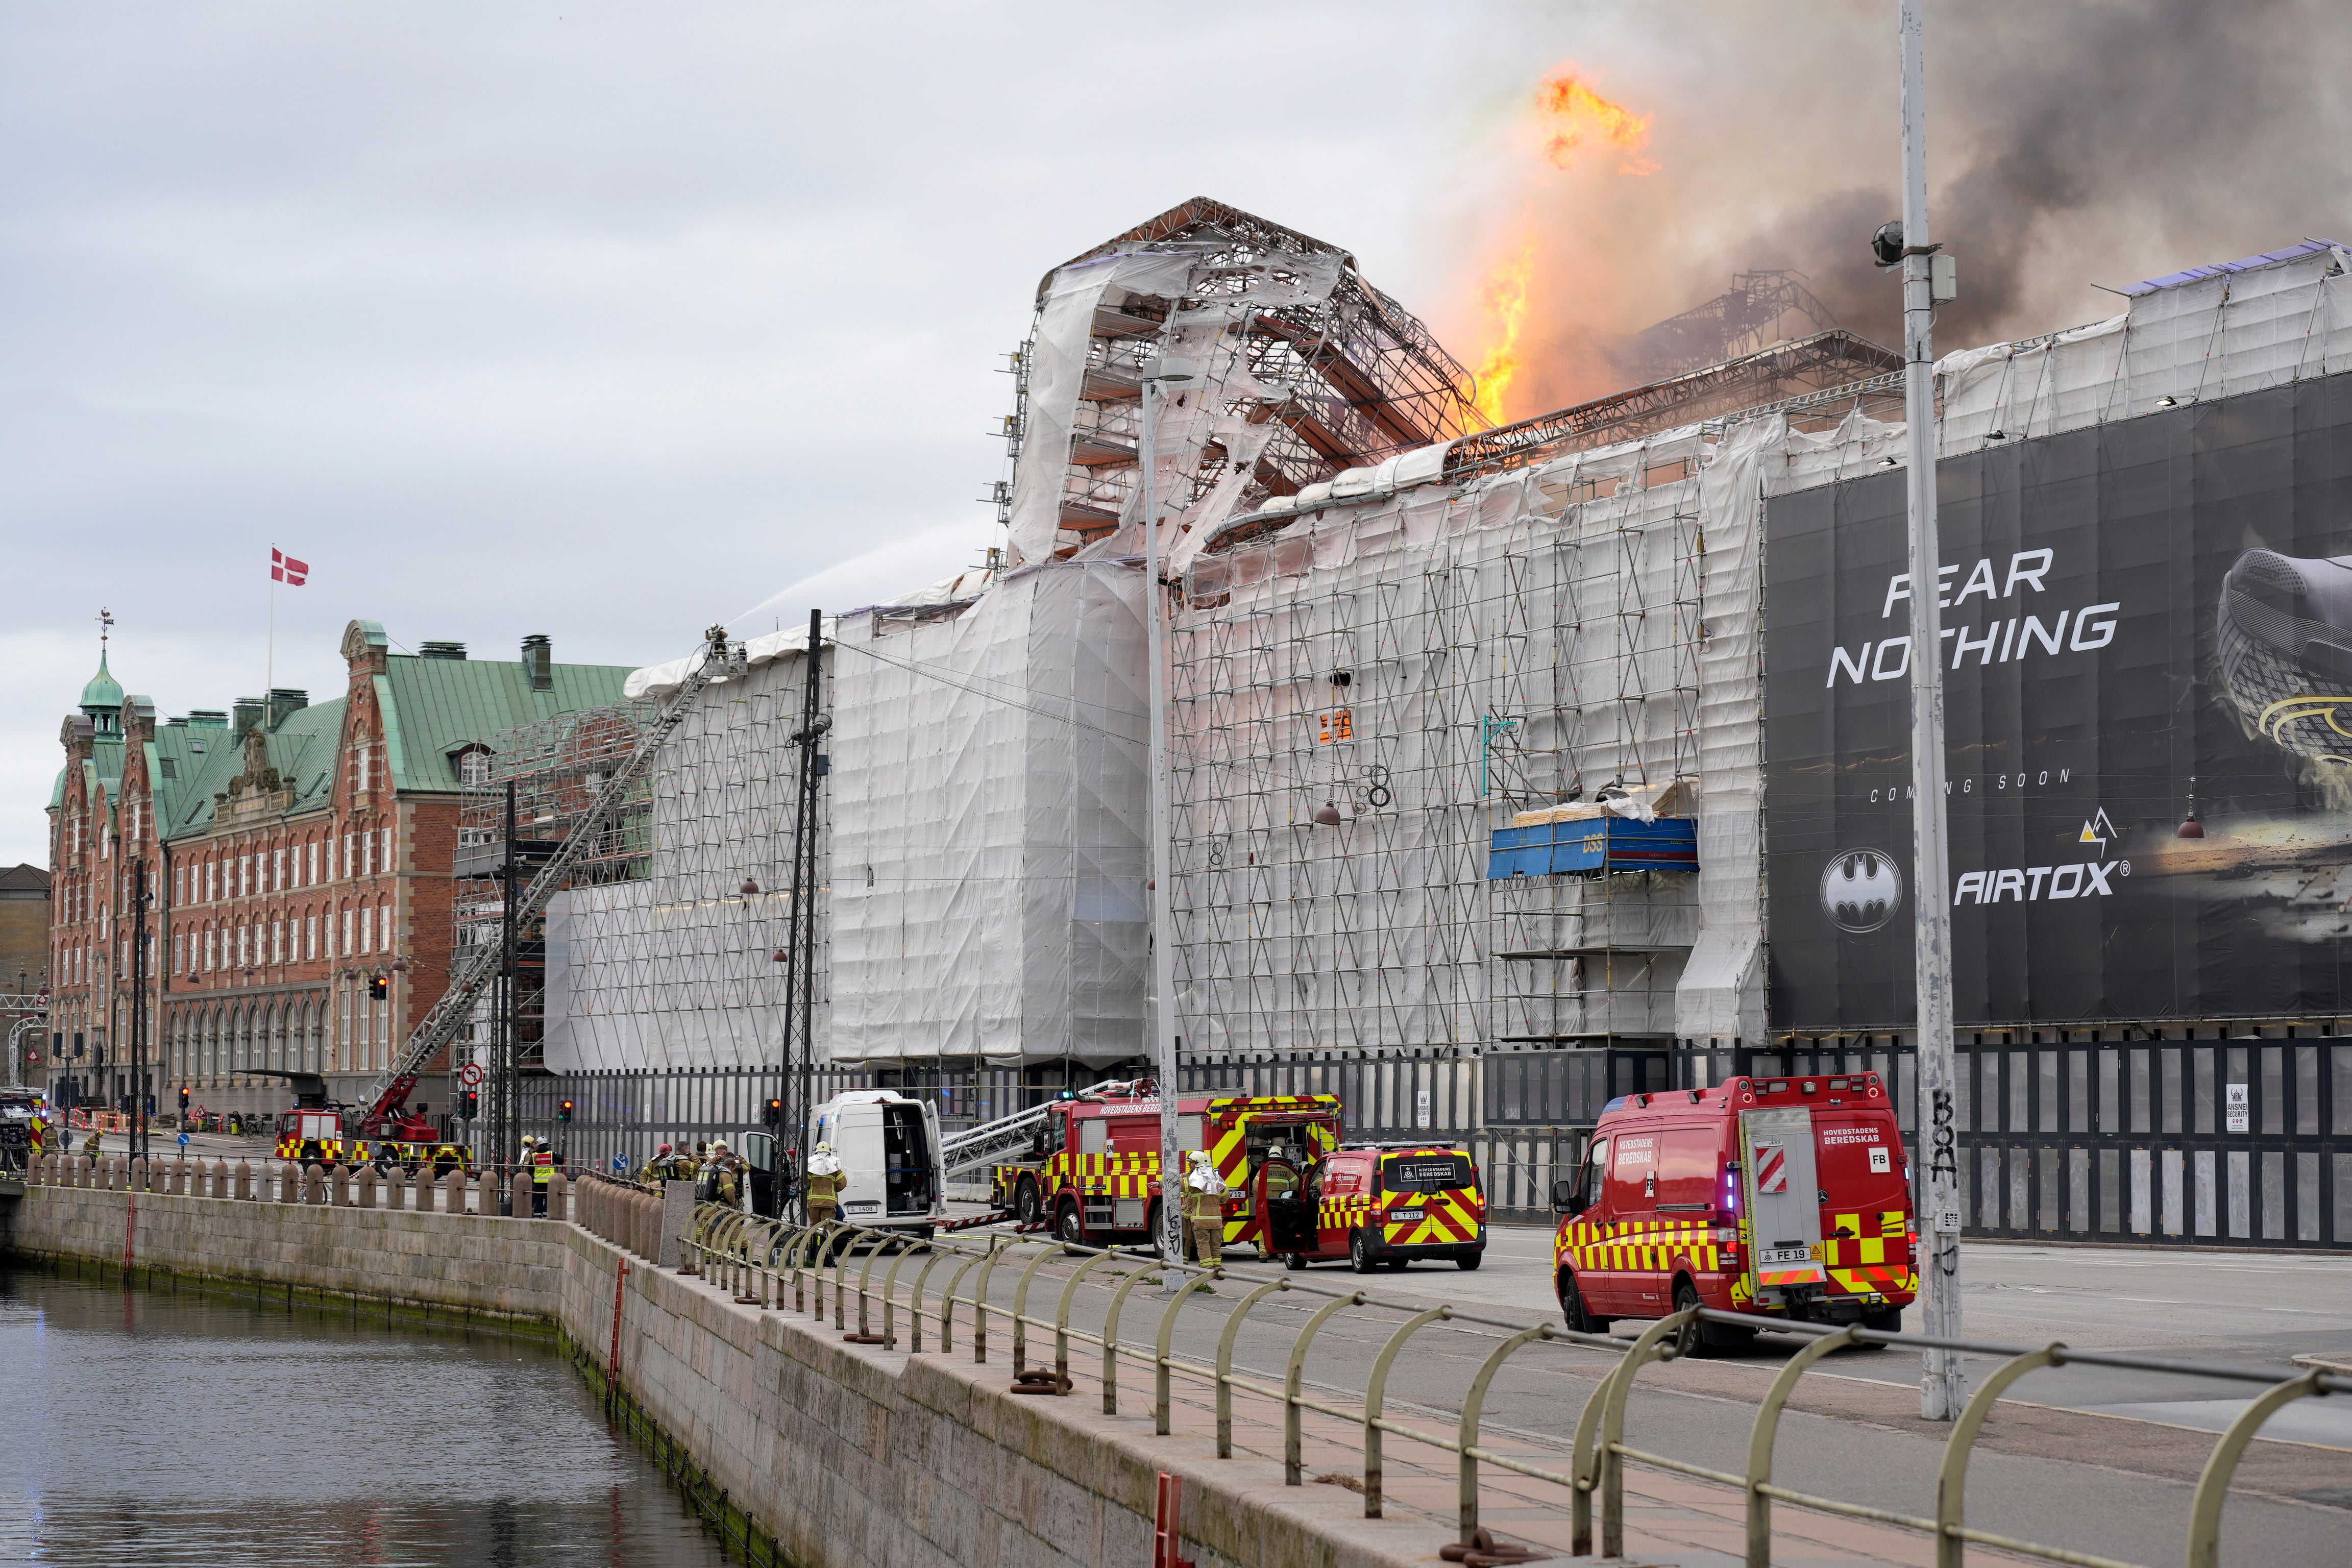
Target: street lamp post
x=1942, y=1388
x=1162, y=1004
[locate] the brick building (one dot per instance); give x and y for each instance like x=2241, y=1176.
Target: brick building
x=294, y=854
x=23, y=963
x=24, y=929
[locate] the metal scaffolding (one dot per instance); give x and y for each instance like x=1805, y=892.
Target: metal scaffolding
x=1313, y=370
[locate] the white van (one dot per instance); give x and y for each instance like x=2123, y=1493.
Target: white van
x=888, y=1146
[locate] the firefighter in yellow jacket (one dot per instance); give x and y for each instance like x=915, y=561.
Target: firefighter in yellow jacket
x=1204, y=1209
x=825, y=1180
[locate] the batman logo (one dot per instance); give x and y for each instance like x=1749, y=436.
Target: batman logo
x=1861, y=890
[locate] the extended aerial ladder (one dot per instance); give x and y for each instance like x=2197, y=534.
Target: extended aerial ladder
x=473, y=972
x=976, y=1148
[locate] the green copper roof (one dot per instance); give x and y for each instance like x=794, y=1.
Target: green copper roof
x=103, y=690
x=431, y=707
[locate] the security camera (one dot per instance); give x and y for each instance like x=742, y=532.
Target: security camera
x=1887, y=245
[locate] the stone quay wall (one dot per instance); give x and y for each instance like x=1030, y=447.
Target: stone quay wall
x=838, y=1456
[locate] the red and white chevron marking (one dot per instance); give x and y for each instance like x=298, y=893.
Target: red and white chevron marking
x=1772, y=1168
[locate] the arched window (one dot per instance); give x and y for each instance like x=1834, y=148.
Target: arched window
x=314, y=1035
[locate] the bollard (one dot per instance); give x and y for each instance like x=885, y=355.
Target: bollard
x=314, y=1185
x=365, y=1195
x=244, y=1181
x=453, y=1191
x=288, y=1189
x=559, y=1197
x=179, y=1182
x=339, y=1187
x=220, y=1179
x=395, y=1188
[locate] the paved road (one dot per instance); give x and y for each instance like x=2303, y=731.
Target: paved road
x=2070, y=1473
x=2243, y=1310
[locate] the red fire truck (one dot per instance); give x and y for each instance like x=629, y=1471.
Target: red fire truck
x=1785, y=1197
x=1093, y=1169
x=314, y=1136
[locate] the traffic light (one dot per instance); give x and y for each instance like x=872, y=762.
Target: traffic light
x=563, y=1110
x=772, y=1113
x=469, y=1104
x=379, y=987
x=184, y=1101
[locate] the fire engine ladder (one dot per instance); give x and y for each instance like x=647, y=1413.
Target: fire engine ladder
x=976, y=1148
x=473, y=972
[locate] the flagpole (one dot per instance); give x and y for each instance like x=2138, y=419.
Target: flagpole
x=269, y=668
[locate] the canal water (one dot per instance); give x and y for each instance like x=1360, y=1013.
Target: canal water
x=150, y=1428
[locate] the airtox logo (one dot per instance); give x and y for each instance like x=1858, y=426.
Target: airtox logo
x=2098, y=830
x=1861, y=889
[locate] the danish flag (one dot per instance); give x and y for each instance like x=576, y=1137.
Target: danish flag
x=284, y=568
x=1772, y=1168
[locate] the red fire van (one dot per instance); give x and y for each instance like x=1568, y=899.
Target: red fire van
x=1784, y=1197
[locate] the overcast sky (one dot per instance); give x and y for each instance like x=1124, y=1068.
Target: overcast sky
x=609, y=321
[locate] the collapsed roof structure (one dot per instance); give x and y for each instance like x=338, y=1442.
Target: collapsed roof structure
x=1307, y=369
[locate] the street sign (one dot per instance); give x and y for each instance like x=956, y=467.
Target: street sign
x=184, y=1139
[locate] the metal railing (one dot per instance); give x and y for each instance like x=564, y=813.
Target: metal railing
x=760, y=1261
x=421, y=1187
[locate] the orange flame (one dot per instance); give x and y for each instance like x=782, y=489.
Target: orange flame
x=1506, y=295
x=1570, y=110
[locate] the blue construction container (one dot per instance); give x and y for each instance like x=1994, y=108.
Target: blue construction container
x=1594, y=845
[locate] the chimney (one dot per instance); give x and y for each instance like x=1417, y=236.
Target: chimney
x=244, y=713
x=285, y=701
x=539, y=659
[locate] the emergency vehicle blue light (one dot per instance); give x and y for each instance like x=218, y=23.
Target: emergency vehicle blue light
x=1615, y=1104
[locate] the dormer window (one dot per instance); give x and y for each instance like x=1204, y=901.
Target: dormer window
x=473, y=765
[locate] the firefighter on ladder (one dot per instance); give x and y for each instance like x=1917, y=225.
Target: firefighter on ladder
x=1204, y=1210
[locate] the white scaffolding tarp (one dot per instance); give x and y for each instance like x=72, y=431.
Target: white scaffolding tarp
x=987, y=800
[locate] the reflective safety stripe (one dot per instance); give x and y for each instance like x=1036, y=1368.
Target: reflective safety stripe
x=1874, y=1258
x=1652, y=1245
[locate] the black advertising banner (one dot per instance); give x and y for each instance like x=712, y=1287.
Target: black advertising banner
x=2148, y=656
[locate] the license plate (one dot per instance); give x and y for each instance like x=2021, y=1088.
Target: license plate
x=1405, y=1216
x=1771, y=1255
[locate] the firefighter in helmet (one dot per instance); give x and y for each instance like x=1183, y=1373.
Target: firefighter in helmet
x=726, y=1175
x=1204, y=1209
x=542, y=1173
x=825, y=1184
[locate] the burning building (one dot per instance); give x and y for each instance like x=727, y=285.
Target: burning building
x=1519, y=766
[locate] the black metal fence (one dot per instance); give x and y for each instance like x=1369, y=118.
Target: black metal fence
x=2194, y=1140
x=619, y=1119
x=2202, y=1139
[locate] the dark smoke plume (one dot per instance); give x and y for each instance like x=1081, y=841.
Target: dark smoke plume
x=2071, y=144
